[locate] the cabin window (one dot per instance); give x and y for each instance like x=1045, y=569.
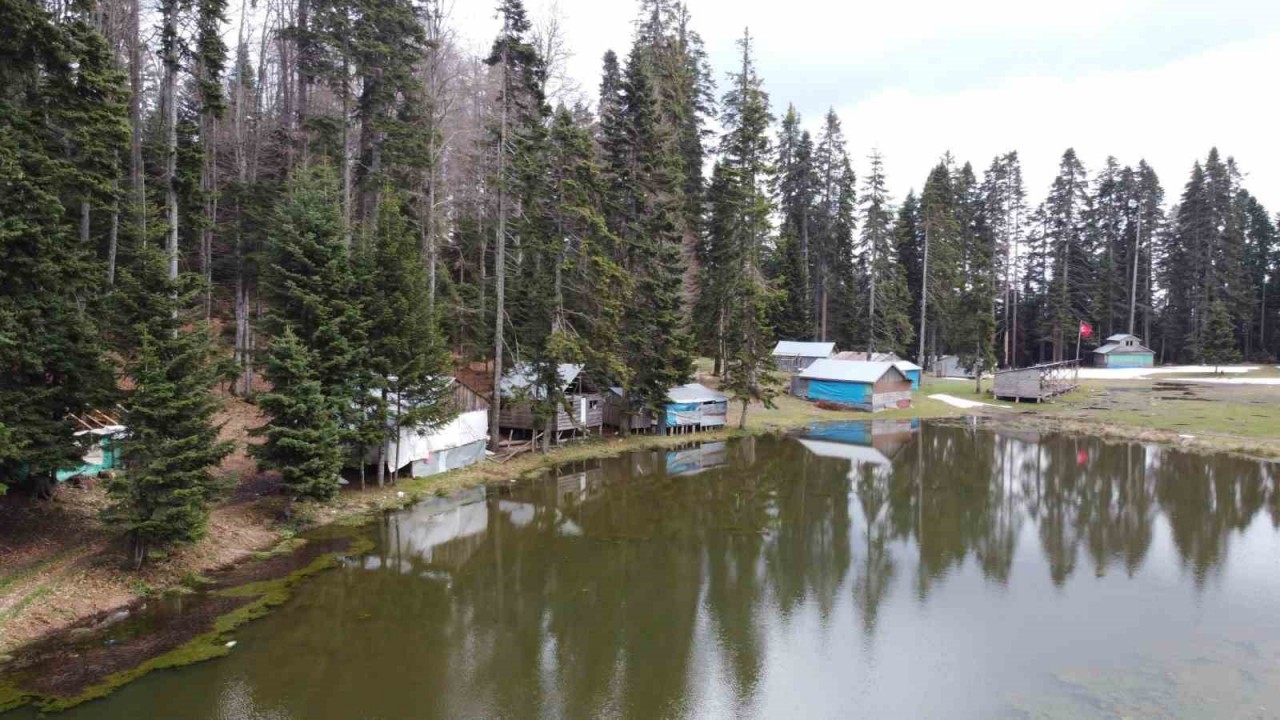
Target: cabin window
x=593, y=404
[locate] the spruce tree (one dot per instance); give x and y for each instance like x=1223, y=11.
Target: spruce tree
x=797, y=196
x=310, y=280
x=839, y=311
x=516, y=141
x=62, y=131
x=408, y=362
x=888, y=313
x=172, y=446
x=1219, y=345
x=652, y=231
x=1066, y=213
x=747, y=165
x=302, y=436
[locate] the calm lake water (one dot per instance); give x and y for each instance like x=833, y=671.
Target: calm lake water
x=894, y=570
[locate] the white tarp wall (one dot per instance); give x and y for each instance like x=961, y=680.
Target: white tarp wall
x=469, y=428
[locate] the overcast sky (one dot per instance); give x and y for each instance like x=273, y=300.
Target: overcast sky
x=1158, y=79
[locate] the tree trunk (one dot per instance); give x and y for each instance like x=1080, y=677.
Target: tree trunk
x=113, y=240
x=346, y=151
x=500, y=270
x=742, y=419
x=924, y=295
x=136, y=182
x=169, y=101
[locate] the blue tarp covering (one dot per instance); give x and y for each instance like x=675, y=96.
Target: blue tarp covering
x=683, y=414
x=914, y=377
x=847, y=393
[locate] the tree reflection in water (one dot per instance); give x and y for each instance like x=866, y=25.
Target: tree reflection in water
x=597, y=583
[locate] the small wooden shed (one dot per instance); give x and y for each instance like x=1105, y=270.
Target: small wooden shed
x=911, y=370
x=1036, y=383
x=869, y=386
x=950, y=366
x=585, y=405
x=690, y=407
x=794, y=356
x=1124, y=351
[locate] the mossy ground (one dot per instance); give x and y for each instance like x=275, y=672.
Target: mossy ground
x=250, y=600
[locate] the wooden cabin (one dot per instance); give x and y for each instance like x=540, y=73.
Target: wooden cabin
x=582, y=413
x=429, y=451
x=1124, y=351
x=690, y=408
x=794, y=356
x=911, y=370
x=100, y=438
x=951, y=367
x=1037, y=383
x=869, y=386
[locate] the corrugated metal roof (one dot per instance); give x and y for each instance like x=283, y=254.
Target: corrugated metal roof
x=906, y=366
x=847, y=370
x=521, y=377
x=788, y=348
x=1121, y=337
x=1122, y=349
x=695, y=392
x=867, y=356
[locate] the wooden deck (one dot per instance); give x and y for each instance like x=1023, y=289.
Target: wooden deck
x=1037, y=383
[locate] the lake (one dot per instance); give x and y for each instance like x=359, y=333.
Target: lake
x=888, y=569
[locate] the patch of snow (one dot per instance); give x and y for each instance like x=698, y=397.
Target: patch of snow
x=1141, y=373
x=962, y=403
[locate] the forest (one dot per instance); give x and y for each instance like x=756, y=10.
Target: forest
x=327, y=207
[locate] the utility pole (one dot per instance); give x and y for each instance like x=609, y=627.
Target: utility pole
x=924, y=292
x=1137, y=252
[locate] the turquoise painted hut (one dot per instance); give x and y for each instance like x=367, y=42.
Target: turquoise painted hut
x=869, y=386
x=1124, y=351
x=911, y=370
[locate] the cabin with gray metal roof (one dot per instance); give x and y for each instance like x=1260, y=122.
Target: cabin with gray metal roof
x=794, y=355
x=869, y=386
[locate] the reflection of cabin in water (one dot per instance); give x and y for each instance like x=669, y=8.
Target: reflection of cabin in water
x=863, y=444
x=693, y=460
x=689, y=408
x=582, y=412
x=1037, y=383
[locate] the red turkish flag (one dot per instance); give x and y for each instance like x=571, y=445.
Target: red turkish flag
x=1086, y=330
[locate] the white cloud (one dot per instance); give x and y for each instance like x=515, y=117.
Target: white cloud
x=1169, y=115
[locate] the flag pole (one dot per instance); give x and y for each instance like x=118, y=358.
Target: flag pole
x=1079, y=334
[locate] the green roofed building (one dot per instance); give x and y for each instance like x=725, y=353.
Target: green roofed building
x=1124, y=351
